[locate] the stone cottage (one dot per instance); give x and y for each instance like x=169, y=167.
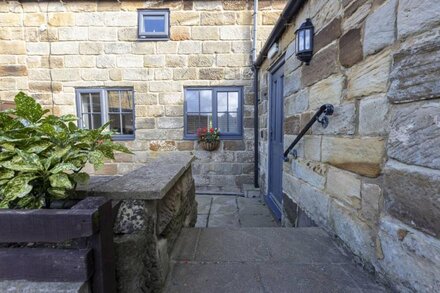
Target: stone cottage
x=158, y=70
x=372, y=177
x=135, y=63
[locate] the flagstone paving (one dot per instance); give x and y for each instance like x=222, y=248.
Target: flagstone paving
x=232, y=211
x=230, y=253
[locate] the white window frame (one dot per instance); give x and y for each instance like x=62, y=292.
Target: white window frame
x=103, y=94
x=153, y=36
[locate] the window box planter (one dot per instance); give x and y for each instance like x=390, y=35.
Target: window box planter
x=59, y=245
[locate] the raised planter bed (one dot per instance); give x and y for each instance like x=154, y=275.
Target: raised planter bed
x=59, y=245
x=156, y=202
x=137, y=217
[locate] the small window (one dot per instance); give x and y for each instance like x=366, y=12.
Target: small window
x=219, y=107
x=153, y=24
x=99, y=106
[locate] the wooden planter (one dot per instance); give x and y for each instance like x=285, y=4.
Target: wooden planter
x=89, y=223
x=210, y=146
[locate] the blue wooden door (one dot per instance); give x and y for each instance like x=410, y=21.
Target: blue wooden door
x=275, y=183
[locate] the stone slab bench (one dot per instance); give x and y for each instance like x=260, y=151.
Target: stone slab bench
x=152, y=204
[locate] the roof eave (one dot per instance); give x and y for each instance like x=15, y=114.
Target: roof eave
x=291, y=9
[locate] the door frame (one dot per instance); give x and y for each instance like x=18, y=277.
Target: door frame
x=275, y=207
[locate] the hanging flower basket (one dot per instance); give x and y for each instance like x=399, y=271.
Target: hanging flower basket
x=210, y=146
x=209, y=140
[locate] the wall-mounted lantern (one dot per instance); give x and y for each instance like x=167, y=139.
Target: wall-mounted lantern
x=304, y=41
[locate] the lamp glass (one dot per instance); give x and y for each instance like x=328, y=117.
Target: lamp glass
x=301, y=41
x=307, y=44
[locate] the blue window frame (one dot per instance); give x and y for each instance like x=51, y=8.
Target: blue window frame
x=154, y=24
x=217, y=107
x=95, y=107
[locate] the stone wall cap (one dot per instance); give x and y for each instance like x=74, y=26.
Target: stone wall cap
x=150, y=182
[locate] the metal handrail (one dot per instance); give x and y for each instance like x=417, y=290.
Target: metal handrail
x=324, y=111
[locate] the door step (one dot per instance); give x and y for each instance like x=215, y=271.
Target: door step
x=250, y=191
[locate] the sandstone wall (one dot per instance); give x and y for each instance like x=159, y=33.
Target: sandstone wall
x=50, y=48
x=373, y=176
x=151, y=206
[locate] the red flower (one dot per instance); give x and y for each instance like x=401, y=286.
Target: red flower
x=211, y=130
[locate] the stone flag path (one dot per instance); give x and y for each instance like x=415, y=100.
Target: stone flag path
x=238, y=258
x=232, y=211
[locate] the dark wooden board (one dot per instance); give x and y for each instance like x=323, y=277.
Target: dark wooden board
x=47, y=225
x=104, y=278
x=90, y=203
x=46, y=265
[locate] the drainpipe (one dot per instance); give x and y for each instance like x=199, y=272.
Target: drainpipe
x=256, y=154
x=255, y=88
x=254, y=35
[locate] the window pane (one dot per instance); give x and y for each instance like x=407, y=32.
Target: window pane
x=193, y=123
x=222, y=102
x=196, y=120
x=126, y=101
x=115, y=123
x=127, y=124
x=228, y=122
x=192, y=101
x=205, y=101
x=222, y=122
x=86, y=121
x=96, y=102
x=113, y=101
x=96, y=121
x=85, y=103
x=154, y=24
x=233, y=102
x=91, y=121
x=233, y=123
x=206, y=120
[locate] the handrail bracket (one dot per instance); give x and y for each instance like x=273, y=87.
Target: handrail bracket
x=321, y=117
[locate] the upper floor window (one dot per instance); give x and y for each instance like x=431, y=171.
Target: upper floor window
x=153, y=24
x=98, y=106
x=218, y=107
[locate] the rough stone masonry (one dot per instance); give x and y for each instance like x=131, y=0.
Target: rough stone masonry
x=156, y=202
x=372, y=177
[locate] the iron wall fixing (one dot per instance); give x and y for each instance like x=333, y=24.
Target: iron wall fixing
x=320, y=117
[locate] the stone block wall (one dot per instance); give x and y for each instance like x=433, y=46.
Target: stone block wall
x=373, y=176
x=145, y=233
x=151, y=206
x=48, y=49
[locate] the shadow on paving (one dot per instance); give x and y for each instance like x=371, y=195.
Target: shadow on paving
x=263, y=260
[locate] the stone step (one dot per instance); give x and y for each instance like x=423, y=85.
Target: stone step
x=250, y=191
x=263, y=260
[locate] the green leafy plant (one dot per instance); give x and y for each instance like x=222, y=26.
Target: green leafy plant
x=42, y=156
